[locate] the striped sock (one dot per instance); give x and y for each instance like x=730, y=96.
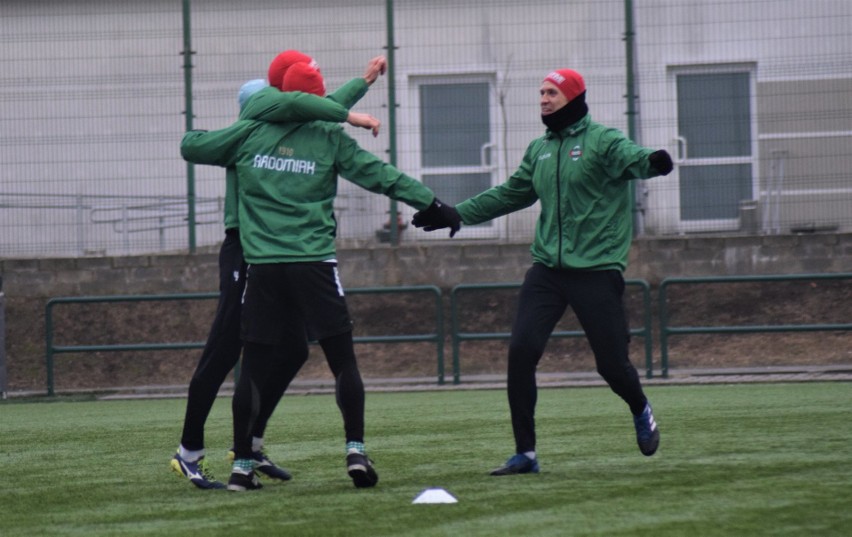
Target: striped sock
x=244, y=466
x=355, y=447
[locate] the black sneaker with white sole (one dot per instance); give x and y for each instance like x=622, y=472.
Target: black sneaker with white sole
x=241, y=481
x=263, y=465
x=361, y=470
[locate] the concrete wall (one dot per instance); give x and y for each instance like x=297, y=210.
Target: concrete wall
x=444, y=265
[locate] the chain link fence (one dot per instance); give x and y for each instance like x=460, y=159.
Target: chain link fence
x=752, y=98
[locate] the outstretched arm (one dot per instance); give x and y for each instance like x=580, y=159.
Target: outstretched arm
x=275, y=106
x=217, y=148
x=272, y=105
x=371, y=173
x=365, y=121
x=375, y=67
x=353, y=91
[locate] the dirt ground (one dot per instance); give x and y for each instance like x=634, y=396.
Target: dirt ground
x=395, y=314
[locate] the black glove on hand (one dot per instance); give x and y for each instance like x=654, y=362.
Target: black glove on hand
x=661, y=161
x=438, y=216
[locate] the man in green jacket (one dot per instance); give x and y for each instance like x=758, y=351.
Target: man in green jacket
x=580, y=172
x=222, y=349
x=287, y=179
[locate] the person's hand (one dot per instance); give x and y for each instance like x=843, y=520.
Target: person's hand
x=438, y=216
x=661, y=161
x=365, y=121
x=377, y=66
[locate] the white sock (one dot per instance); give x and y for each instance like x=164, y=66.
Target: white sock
x=190, y=456
x=256, y=443
x=530, y=455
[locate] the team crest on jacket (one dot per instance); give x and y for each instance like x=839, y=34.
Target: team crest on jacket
x=576, y=153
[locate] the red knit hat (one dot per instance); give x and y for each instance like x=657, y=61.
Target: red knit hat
x=284, y=61
x=303, y=77
x=569, y=82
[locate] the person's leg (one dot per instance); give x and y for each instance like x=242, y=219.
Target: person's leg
x=245, y=405
x=322, y=302
x=222, y=349
x=220, y=354
x=597, y=300
x=540, y=306
x=289, y=359
x=349, y=389
x=327, y=321
x=257, y=365
x=263, y=329
x=339, y=352
x=284, y=370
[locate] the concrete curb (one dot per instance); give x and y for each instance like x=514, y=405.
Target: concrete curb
x=560, y=380
x=754, y=375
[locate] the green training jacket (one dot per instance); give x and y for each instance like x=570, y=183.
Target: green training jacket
x=272, y=105
x=287, y=182
x=581, y=175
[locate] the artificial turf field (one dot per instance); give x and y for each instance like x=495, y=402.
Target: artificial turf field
x=734, y=460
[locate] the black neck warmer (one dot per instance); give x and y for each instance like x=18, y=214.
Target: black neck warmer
x=567, y=115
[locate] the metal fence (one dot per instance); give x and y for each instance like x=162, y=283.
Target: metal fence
x=4, y=382
x=52, y=349
x=751, y=98
x=465, y=326
x=459, y=335
x=668, y=328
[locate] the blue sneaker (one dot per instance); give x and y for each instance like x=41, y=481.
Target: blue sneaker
x=197, y=472
x=518, y=464
x=647, y=433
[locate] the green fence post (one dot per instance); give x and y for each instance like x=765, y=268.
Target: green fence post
x=393, y=228
x=187, y=80
x=439, y=331
x=4, y=385
x=48, y=342
x=664, y=329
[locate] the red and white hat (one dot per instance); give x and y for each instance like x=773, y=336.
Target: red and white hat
x=569, y=82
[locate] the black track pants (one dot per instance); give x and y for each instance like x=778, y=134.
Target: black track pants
x=596, y=297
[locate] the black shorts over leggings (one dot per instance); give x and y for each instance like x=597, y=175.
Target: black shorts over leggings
x=293, y=300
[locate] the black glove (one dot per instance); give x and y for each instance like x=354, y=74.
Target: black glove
x=661, y=161
x=438, y=216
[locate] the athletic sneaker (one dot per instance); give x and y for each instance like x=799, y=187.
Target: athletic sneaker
x=197, y=472
x=518, y=464
x=268, y=468
x=647, y=433
x=361, y=470
x=242, y=480
x=265, y=466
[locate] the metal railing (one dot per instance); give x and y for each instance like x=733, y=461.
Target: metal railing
x=4, y=384
x=85, y=218
x=666, y=329
x=458, y=336
x=51, y=349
